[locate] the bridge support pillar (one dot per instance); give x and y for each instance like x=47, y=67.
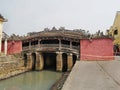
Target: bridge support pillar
x=37, y=65
x=29, y=61
x=39, y=61
x=59, y=62
x=69, y=61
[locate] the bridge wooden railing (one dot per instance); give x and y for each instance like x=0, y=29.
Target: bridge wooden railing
x=25, y=48
x=75, y=47
x=34, y=46
x=49, y=46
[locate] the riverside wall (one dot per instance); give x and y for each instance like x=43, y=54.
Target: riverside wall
x=9, y=68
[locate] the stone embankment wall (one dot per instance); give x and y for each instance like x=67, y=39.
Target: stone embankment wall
x=9, y=68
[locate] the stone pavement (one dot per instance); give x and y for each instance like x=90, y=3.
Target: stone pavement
x=94, y=75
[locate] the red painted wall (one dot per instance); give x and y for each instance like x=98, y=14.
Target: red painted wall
x=96, y=49
x=13, y=47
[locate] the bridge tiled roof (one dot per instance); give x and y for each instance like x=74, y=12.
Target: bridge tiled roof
x=73, y=34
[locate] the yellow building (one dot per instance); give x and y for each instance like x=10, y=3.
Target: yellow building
x=115, y=29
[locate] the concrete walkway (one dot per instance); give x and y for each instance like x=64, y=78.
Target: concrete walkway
x=94, y=75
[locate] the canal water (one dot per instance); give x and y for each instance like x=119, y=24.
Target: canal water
x=42, y=80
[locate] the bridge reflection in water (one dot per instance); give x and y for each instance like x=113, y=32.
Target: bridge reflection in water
x=31, y=81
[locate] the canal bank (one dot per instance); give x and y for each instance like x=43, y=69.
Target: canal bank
x=59, y=83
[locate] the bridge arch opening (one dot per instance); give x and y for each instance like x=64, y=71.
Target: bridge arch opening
x=64, y=58
x=74, y=59
x=49, y=61
x=33, y=61
x=25, y=60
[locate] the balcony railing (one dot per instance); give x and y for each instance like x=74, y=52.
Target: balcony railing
x=75, y=47
x=65, y=46
x=25, y=48
x=34, y=46
x=50, y=46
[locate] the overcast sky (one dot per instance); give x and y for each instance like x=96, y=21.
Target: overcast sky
x=34, y=15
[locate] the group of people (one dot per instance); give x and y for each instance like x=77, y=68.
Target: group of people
x=116, y=50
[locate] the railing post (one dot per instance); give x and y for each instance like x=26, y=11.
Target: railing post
x=39, y=45
x=29, y=44
x=70, y=44
x=59, y=44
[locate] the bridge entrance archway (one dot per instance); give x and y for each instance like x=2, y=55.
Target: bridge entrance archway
x=64, y=61
x=49, y=61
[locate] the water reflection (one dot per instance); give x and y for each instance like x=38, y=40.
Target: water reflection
x=42, y=80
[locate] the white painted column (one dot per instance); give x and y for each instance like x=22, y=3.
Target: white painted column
x=0, y=45
x=39, y=43
x=70, y=44
x=29, y=44
x=5, y=47
x=1, y=27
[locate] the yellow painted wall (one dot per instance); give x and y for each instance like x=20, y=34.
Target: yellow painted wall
x=116, y=26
